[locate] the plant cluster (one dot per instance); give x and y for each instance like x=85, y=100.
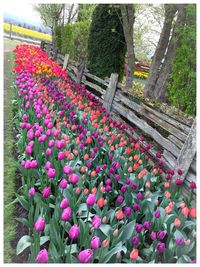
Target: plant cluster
x=88, y=188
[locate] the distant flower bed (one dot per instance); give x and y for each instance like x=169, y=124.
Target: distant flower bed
x=88, y=188
x=27, y=32
x=141, y=74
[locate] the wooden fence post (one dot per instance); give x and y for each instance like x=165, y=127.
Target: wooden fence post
x=187, y=153
x=79, y=74
x=110, y=92
x=65, y=61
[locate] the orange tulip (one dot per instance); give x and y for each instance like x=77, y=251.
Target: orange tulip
x=101, y=202
x=105, y=243
x=167, y=194
x=134, y=254
x=192, y=212
x=177, y=222
x=119, y=215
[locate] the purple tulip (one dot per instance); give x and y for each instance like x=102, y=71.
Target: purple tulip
x=123, y=188
x=146, y=225
x=139, y=196
x=85, y=256
x=153, y=235
x=160, y=247
x=64, y=203
x=39, y=224
x=91, y=199
x=46, y=192
x=179, y=241
x=95, y=242
x=161, y=235
x=74, y=232
x=120, y=199
x=136, y=207
x=127, y=211
x=135, y=240
x=138, y=228
x=42, y=256
x=134, y=186
x=96, y=222
x=157, y=214
x=66, y=214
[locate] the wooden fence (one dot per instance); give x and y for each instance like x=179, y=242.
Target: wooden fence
x=175, y=138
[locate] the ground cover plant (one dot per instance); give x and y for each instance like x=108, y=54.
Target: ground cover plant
x=89, y=190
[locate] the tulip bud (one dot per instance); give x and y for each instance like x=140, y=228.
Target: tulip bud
x=85, y=256
x=187, y=242
x=134, y=254
x=105, y=243
x=42, y=256
x=95, y=242
x=104, y=219
x=116, y=232
x=39, y=224
x=31, y=191
x=74, y=232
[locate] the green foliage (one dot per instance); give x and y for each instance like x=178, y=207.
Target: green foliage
x=74, y=40
x=106, y=43
x=182, y=86
x=85, y=11
x=58, y=39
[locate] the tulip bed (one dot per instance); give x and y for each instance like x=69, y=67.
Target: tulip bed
x=89, y=191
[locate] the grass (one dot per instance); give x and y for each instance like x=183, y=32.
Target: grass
x=9, y=162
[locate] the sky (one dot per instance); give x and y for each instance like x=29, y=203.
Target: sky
x=25, y=10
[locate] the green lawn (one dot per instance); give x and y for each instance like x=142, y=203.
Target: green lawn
x=9, y=162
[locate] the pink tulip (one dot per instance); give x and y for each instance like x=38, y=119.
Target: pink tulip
x=61, y=155
x=96, y=222
x=31, y=191
x=39, y=224
x=63, y=183
x=28, y=150
x=74, y=232
x=46, y=192
x=67, y=169
x=48, y=165
x=95, y=242
x=48, y=152
x=73, y=178
x=85, y=256
x=66, y=214
x=91, y=200
x=51, y=173
x=42, y=256
x=64, y=203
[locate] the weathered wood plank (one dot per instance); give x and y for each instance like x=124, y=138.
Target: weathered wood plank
x=110, y=92
x=146, y=128
x=187, y=153
x=74, y=69
x=168, y=119
x=175, y=140
x=95, y=78
x=169, y=158
x=65, y=61
x=94, y=86
x=142, y=111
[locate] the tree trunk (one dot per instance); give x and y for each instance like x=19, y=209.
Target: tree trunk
x=161, y=84
x=170, y=10
x=128, y=21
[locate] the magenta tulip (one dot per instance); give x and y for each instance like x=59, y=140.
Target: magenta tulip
x=74, y=232
x=96, y=222
x=73, y=178
x=63, y=183
x=91, y=200
x=39, y=224
x=64, y=203
x=66, y=214
x=85, y=256
x=95, y=242
x=42, y=256
x=46, y=192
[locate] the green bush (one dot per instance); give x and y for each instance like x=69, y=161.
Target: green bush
x=182, y=87
x=74, y=40
x=106, y=43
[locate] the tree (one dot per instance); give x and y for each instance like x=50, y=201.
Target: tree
x=161, y=83
x=182, y=85
x=159, y=54
x=85, y=11
x=50, y=14
x=106, y=42
x=128, y=18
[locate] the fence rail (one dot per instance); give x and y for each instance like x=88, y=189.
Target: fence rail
x=174, y=137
